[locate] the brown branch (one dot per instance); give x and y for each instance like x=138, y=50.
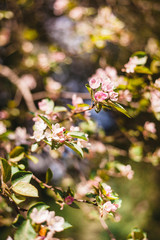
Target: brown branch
x=105, y=226
x=64, y=94
x=23, y=88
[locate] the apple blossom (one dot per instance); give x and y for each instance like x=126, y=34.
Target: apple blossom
x=46, y=106
x=100, y=96
x=40, y=216
x=2, y=128
x=95, y=82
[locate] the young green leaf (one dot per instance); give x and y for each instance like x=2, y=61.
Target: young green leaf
x=49, y=175
x=17, y=154
x=80, y=135
x=75, y=148
x=25, y=189
x=118, y=107
x=32, y=158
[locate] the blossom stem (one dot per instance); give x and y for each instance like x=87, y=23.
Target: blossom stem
x=105, y=226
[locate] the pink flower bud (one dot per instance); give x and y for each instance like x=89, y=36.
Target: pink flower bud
x=69, y=200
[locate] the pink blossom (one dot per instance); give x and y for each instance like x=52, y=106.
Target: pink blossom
x=150, y=127
x=52, y=85
x=155, y=100
x=58, y=133
x=107, y=189
x=100, y=96
x=107, y=85
x=28, y=80
x=57, y=56
x=109, y=207
x=69, y=200
x=111, y=73
x=113, y=96
x=46, y=106
x=76, y=100
x=127, y=171
x=76, y=13
x=2, y=128
x=130, y=66
x=95, y=82
x=60, y=6
x=157, y=83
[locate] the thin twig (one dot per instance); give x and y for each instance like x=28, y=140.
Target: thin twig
x=105, y=226
x=23, y=88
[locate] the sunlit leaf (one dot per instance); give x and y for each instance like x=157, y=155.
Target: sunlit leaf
x=75, y=148
x=6, y=170
x=25, y=189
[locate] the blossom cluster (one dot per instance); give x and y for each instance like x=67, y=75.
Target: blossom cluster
x=102, y=86
x=49, y=223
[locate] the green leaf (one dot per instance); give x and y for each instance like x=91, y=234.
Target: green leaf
x=80, y=135
x=118, y=107
x=33, y=158
x=25, y=189
x=66, y=225
x=70, y=106
x=17, y=198
x=6, y=170
x=75, y=148
x=39, y=205
x=46, y=121
x=142, y=69
x=18, y=221
x=60, y=109
x=74, y=205
x=21, y=176
x=83, y=105
x=49, y=175
x=139, y=54
x=17, y=154
x=25, y=231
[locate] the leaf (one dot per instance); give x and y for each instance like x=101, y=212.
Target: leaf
x=21, y=176
x=49, y=175
x=74, y=205
x=39, y=205
x=46, y=121
x=60, y=109
x=6, y=170
x=66, y=225
x=34, y=147
x=119, y=108
x=70, y=106
x=139, y=54
x=17, y=198
x=33, y=158
x=25, y=189
x=142, y=69
x=75, y=148
x=25, y=231
x=17, y=154
x=80, y=135
x=18, y=220
x=83, y=105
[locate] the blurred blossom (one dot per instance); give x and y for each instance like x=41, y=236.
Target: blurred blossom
x=87, y=186
x=2, y=128
x=9, y=238
x=155, y=100
x=20, y=136
x=130, y=66
x=46, y=106
x=43, y=61
x=60, y=6
x=4, y=36
x=126, y=171
x=52, y=85
x=76, y=100
x=3, y=114
x=157, y=83
x=108, y=207
x=28, y=80
x=125, y=96
x=152, y=46
x=111, y=73
x=27, y=46
x=57, y=56
x=150, y=127
x=76, y=13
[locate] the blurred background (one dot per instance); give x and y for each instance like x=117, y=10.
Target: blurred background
x=52, y=47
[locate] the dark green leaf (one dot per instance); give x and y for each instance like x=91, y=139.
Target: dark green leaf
x=18, y=221
x=6, y=170
x=22, y=176
x=118, y=107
